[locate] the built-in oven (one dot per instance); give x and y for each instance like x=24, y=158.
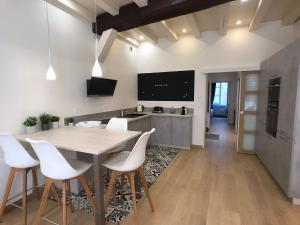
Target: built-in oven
x=273, y=106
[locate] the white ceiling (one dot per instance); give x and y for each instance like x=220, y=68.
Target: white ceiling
x=206, y=20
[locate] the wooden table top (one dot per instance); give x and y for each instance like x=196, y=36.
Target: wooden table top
x=87, y=140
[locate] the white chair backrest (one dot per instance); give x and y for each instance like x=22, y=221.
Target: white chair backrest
x=53, y=163
x=117, y=124
x=15, y=155
x=138, y=154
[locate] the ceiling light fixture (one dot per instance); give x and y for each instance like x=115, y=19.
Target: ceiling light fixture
x=97, y=71
x=50, y=73
x=142, y=37
x=239, y=22
x=184, y=30
x=244, y=0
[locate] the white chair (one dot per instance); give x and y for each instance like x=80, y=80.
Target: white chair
x=56, y=168
x=19, y=160
x=117, y=124
x=127, y=163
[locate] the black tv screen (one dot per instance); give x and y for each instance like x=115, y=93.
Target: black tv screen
x=166, y=86
x=100, y=87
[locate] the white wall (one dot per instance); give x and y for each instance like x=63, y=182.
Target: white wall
x=24, y=89
x=238, y=50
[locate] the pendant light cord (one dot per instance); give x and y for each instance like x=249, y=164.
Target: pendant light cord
x=96, y=31
x=48, y=30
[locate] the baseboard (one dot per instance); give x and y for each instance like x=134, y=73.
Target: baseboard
x=197, y=147
x=296, y=201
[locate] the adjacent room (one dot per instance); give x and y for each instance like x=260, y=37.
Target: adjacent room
x=150, y=112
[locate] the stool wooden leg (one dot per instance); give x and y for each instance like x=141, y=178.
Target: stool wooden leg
x=9, y=182
x=110, y=189
x=24, y=200
x=38, y=219
x=69, y=195
x=35, y=183
x=87, y=190
x=145, y=185
x=132, y=185
x=64, y=200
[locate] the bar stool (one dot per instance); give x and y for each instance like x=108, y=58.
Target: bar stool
x=128, y=163
x=19, y=160
x=56, y=168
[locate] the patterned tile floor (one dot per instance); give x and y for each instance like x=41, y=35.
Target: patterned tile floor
x=157, y=159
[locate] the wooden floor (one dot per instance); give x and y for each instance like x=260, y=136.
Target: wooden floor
x=214, y=186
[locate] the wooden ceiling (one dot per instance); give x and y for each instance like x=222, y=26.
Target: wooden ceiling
x=250, y=13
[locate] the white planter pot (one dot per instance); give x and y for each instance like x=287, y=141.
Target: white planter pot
x=54, y=125
x=30, y=130
x=71, y=124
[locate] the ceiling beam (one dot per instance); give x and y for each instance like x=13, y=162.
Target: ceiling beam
x=141, y=3
x=73, y=8
x=262, y=9
x=190, y=18
x=105, y=43
x=131, y=16
x=171, y=33
x=292, y=14
x=146, y=34
x=223, y=19
x=128, y=39
x=109, y=6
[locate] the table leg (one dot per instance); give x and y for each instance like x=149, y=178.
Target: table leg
x=99, y=190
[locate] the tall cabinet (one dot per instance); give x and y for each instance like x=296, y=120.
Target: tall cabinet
x=278, y=133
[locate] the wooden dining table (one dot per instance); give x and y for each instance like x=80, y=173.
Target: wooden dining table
x=93, y=141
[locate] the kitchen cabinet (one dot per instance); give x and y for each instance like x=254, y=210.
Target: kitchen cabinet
x=162, y=134
x=173, y=131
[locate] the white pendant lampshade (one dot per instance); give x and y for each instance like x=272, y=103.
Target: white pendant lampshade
x=97, y=71
x=51, y=74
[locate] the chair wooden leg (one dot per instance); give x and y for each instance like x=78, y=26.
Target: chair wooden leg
x=64, y=200
x=35, y=183
x=145, y=185
x=87, y=190
x=132, y=185
x=48, y=185
x=69, y=195
x=55, y=193
x=110, y=189
x=24, y=199
x=9, y=182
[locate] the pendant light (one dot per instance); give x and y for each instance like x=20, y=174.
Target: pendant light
x=50, y=73
x=97, y=71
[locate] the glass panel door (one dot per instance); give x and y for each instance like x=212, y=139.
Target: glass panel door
x=247, y=112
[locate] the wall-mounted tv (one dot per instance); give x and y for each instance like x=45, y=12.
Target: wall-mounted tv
x=166, y=86
x=100, y=87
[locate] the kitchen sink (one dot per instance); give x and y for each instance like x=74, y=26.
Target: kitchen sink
x=133, y=115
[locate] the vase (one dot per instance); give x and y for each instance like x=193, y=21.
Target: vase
x=45, y=126
x=30, y=130
x=54, y=125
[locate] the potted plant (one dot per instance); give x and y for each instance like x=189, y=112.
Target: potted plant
x=45, y=121
x=30, y=125
x=54, y=122
x=70, y=121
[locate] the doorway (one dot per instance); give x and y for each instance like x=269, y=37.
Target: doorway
x=222, y=103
